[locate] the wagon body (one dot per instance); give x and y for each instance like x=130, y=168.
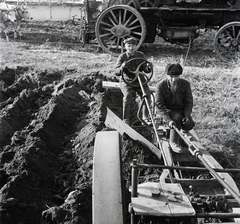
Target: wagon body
x=113, y=21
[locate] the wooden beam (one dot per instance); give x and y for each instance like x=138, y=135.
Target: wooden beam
x=113, y=121
x=116, y=86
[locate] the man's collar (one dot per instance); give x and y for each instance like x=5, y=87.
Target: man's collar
x=169, y=84
x=129, y=55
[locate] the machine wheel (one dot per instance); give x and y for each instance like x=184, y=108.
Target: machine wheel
x=116, y=24
x=107, y=198
x=227, y=41
x=123, y=2
x=144, y=77
x=147, y=3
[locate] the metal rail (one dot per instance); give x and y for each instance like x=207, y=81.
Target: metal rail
x=194, y=150
x=187, y=168
x=154, y=126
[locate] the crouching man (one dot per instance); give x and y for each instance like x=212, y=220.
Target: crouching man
x=174, y=102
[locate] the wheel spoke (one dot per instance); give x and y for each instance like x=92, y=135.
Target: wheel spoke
x=137, y=33
x=105, y=23
x=128, y=20
x=238, y=34
x=105, y=35
x=106, y=29
x=113, y=23
x=122, y=47
x=229, y=34
x=118, y=41
x=124, y=15
x=114, y=17
x=133, y=22
x=233, y=28
x=120, y=17
x=135, y=27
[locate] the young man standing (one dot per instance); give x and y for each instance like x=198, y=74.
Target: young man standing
x=127, y=90
x=174, y=102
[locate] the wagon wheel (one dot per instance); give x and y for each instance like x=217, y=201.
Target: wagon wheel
x=227, y=41
x=130, y=77
x=116, y=24
x=123, y=2
x=147, y=3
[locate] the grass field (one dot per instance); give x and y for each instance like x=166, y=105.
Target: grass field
x=215, y=84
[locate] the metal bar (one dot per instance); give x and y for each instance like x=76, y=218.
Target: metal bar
x=187, y=168
x=134, y=178
x=154, y=126
x=163, y=8
x=194, y=150
x=217, y=215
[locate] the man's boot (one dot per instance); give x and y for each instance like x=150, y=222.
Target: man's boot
x=174, y=141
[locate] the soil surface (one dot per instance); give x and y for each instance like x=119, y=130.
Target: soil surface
x=48, y=127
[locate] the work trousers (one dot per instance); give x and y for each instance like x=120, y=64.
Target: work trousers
x=177, y=117
x=128, y=93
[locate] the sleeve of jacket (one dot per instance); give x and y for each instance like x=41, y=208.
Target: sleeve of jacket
x=188, y=101
x=120, y=60
x=145, y=67
x=160, y=104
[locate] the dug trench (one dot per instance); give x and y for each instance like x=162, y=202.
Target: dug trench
x=48, y=127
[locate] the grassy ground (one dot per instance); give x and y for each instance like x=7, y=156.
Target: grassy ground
x=215, y=84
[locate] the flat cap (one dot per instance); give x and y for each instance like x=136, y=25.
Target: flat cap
x=174, y=69
x=130, y=41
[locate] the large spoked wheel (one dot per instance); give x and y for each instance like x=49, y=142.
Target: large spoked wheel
x=123, y=2
x=116, y=24
x=130, y=77
x=147, y=3
x=227, y=41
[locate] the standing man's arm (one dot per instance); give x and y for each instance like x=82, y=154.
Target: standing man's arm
x=160, y=104
x=188, y=101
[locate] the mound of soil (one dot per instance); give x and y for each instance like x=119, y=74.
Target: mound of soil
x=48, y=130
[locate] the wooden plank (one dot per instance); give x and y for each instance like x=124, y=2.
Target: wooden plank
x=113, y=121
x=182, y=206
x=171, y=200
x=107, y=181
x=116, y=85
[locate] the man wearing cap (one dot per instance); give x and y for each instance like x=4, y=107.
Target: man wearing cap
x=129, y=91
x=174, y=102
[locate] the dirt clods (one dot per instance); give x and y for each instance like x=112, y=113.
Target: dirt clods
x=48, y=126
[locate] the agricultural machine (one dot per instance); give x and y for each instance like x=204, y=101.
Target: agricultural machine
x=173, y=20
x=180, y=195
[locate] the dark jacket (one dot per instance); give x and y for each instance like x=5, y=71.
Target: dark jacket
x=181, y=101
x=133, y=65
